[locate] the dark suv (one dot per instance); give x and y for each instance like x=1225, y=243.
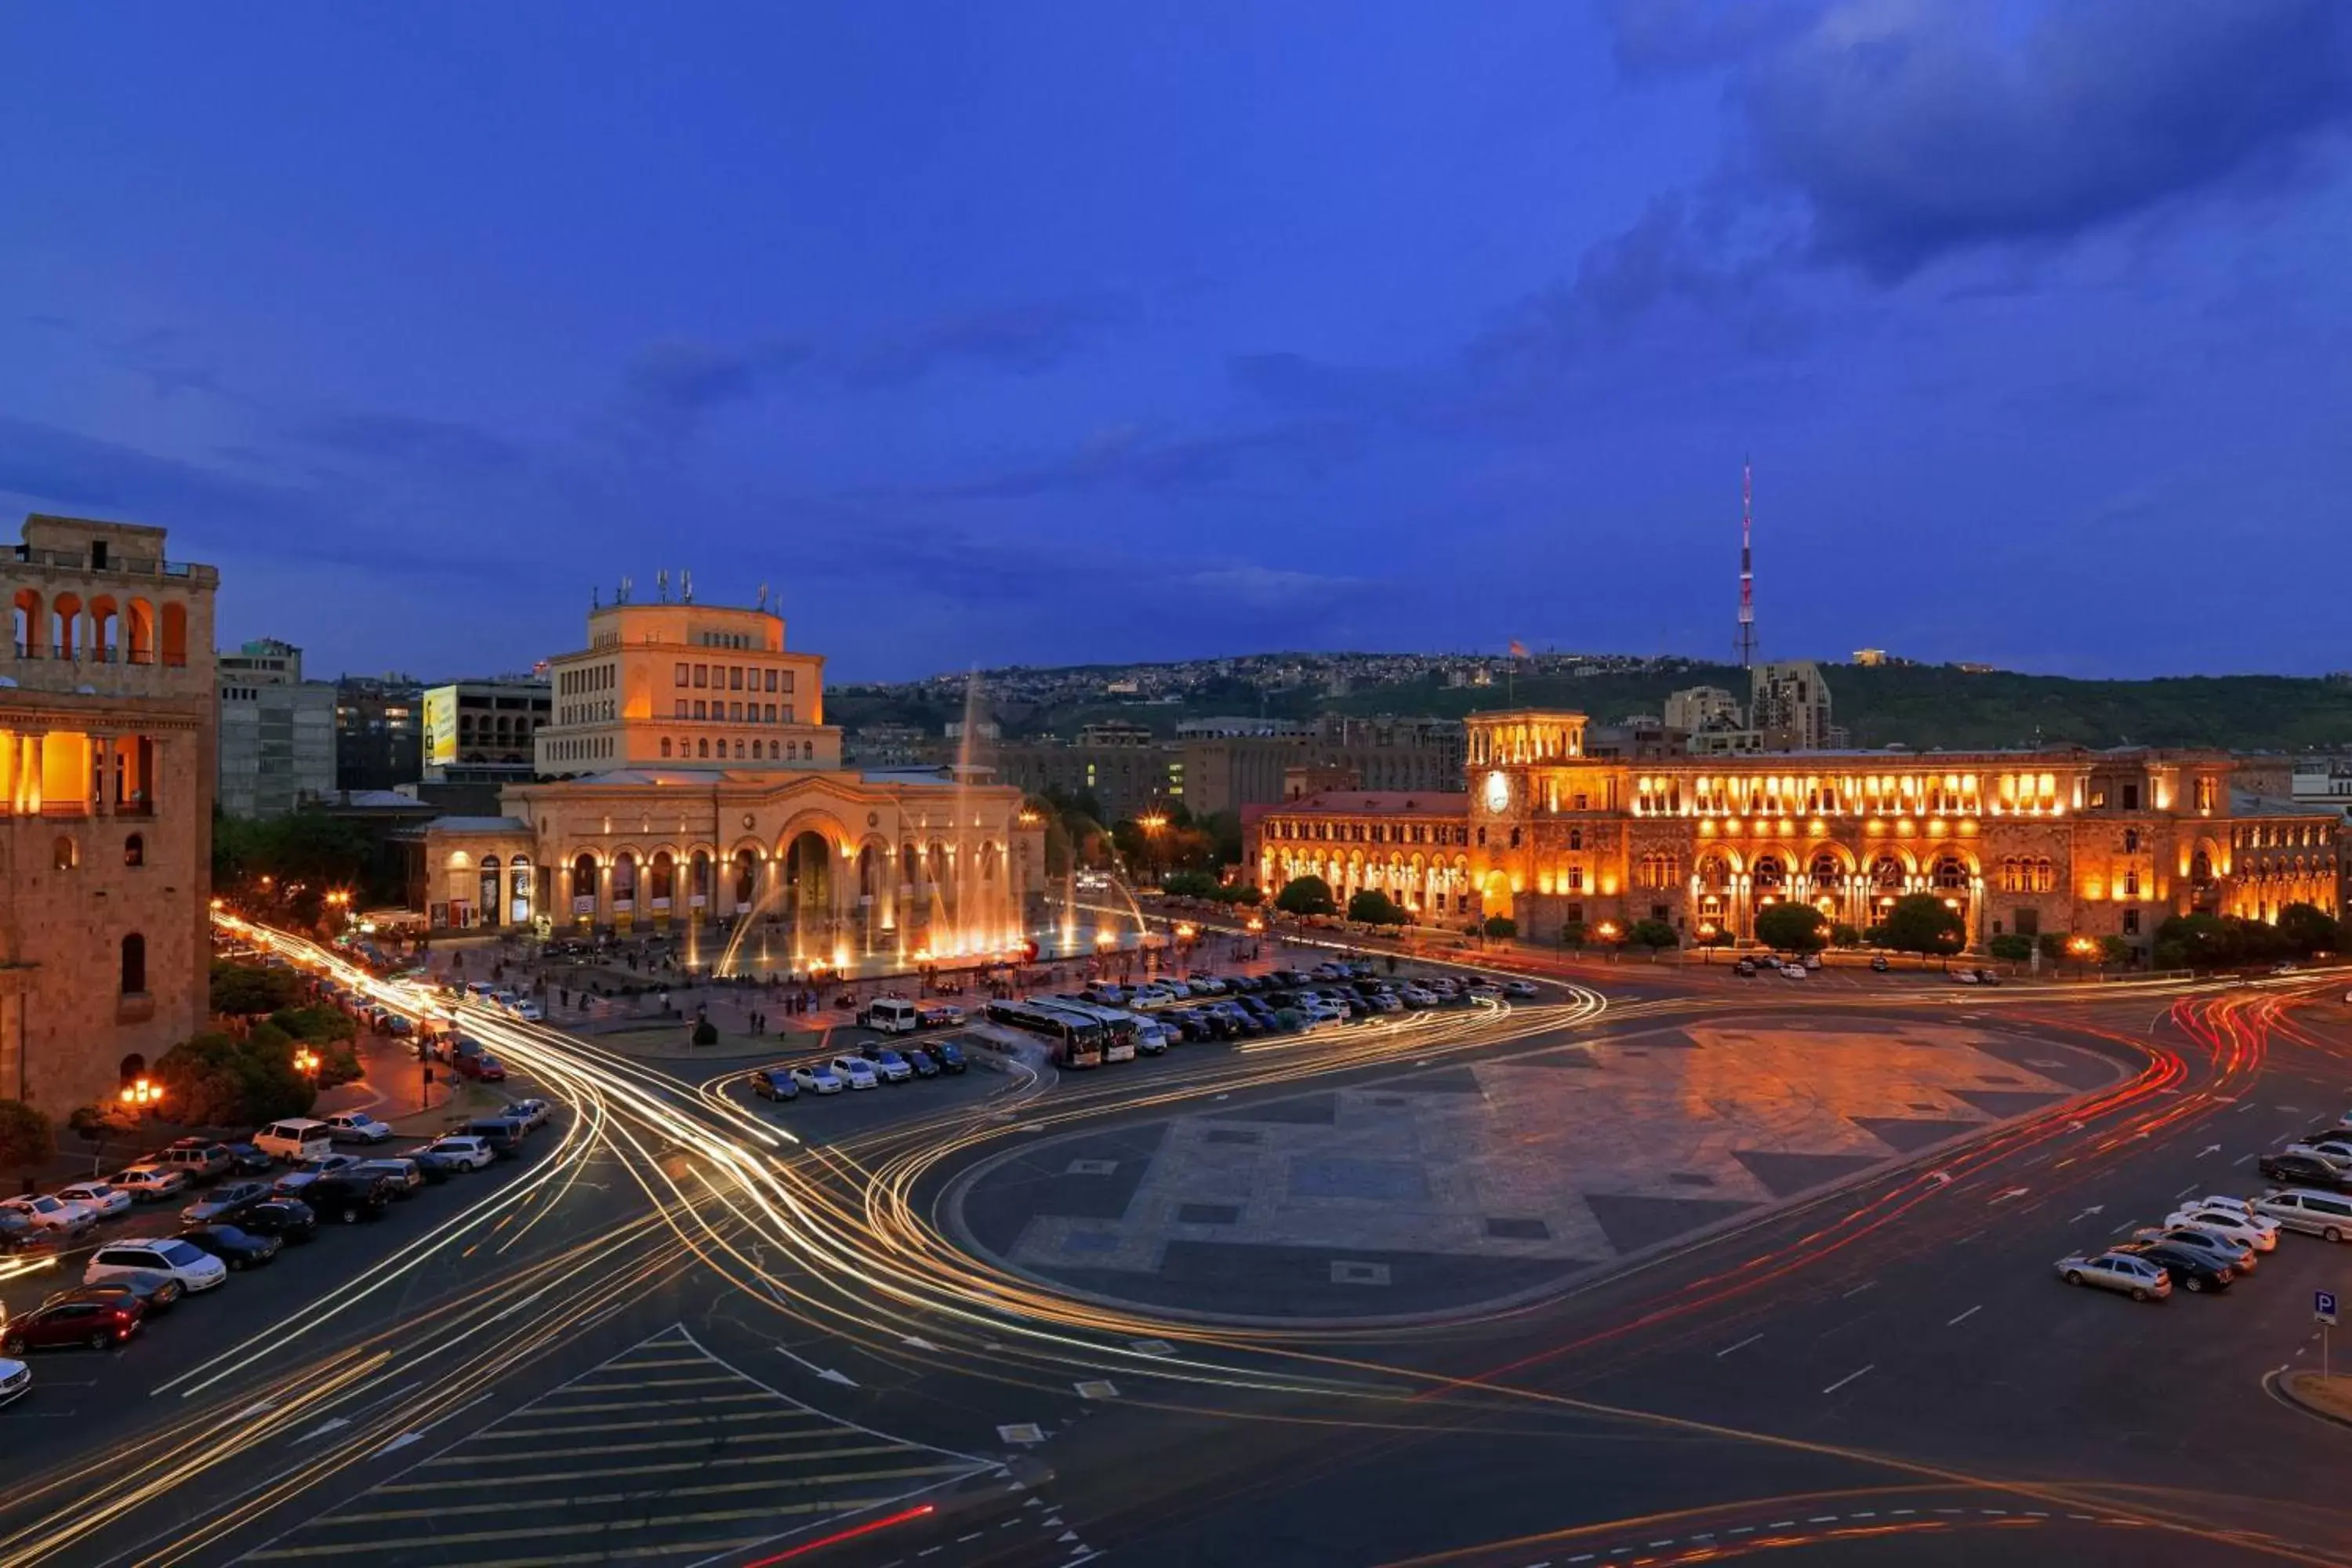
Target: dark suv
x=504, y=1137
x=349, y=1197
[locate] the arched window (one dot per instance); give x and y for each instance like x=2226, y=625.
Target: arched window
x=134, y=850
x=702, y=749
x=1770, y=872
x=1950, y=873
x=1886, y=872
x=1828, y=870
x=67, y=853
x=135, y=964
x=665, y=746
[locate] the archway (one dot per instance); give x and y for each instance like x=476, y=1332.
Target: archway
x=1494, y=896
x=487, y=899
x=808, y=894
x=583, y=888
x=662, y=889
x=518, y=890
x=746, y=879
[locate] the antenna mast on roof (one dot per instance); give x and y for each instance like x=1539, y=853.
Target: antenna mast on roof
x=1746, y=643
x=685, y=586
x=661, y=584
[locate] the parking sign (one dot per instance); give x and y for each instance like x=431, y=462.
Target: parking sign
x=2323, y=1306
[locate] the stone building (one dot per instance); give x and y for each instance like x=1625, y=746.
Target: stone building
x=830, y=865
x=107, y=740
x=2103, y=843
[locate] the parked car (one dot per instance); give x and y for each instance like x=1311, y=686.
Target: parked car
x=2192, y=1270
x=484, y=1068
x=2327, y=1215
x=236, y=1248
x=50, y=1213
x=150, y=1183
x=531, y=1114
x=920, y=1061
x=15, y=1381
x=1965, y=976
x=819, y=1079
x=1744, y=968
x=1522, y=989
x=101, y=1198
x=888, y=1065
x=504, y=1137
x=466, y=1153
x=291, y=1184
x=403, y=1173
x=2225, y=1253
x=774, y=1083
x=530, y=1013
x=357, y=1127
x=20, y=1235
x=156, y=1292
x=98, y=1322
x=296, y=1139
x=950, y=1055
x=290, y=1220
x=200, y=1158
x=2236, y=1225
x=2294, y=1170
x=1878, y=964
x=349, y=1197
x=945, y=1014
x=246, y=1160
x=857, y=1072
x=225, y=1202
x=2135, y=1277
x=193, y=1267
x=2333, y=1146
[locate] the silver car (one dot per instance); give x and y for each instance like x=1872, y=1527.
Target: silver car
x=2135, y=1277
x=2219, y=1250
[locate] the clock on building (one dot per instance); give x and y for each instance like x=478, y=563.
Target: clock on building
x=1498, y=792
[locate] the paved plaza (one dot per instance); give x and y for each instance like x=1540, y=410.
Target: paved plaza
x=1441, y=1190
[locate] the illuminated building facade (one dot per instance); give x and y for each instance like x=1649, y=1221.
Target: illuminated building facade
x=2095, y=843
x=713, y=809
x=107, y=759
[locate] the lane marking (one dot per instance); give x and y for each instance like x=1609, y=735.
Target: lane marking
x=1849, y=1377
x=1741, y=1345
x=1964, y=1317
x=1858, y=1289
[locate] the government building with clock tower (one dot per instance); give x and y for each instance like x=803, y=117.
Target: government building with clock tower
x=2063, y=840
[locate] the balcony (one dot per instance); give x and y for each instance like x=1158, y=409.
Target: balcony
x=75, y=561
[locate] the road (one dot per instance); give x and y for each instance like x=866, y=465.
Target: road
x=693, y=1327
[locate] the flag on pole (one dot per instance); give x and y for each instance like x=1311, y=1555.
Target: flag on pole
x=1519, y=649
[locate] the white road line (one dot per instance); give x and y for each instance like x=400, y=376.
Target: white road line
x=1858, y=1289
x=2185, y=1191
x=1849, y=1377
x=1964, y=1317
x=1740, y=1346
x=2241, y=1159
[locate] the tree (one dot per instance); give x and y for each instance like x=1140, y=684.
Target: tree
x=1921, y=923
x=318, y=1024
x=1373, y=908
x=1571, y=935
x=26, y=1139
x=218, y=1080
x=1793, y=927
x=1190, y=885
x=2114, y=950
x=2052, y=946
x=243, y=990
x=1655, y=935
x=705, y=1033
x=1844, y=935
x=2307, y=928
x=2012, y=948
x=1306, y=896
x=1502, y=926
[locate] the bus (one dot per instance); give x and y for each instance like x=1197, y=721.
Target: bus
x=1119, y=1028
x=1077, y=1042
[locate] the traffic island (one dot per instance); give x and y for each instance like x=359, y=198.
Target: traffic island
x=2322, y=1395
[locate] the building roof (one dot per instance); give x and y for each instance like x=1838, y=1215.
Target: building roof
x=1379, y=803
x=2245, y=803
x=462, y=825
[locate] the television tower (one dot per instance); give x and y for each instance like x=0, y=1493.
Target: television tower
x=1745, y=642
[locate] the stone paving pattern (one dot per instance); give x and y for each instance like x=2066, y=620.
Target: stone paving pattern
x=1439, y=1189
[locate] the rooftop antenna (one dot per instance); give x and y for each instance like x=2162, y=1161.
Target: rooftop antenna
x=764, y=596
x=596, y=597
x=621, y=595
x=661, y=583
x=1746, y=643
x=685, y=586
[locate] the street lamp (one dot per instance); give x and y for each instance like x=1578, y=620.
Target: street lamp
x=142, y=1096
x=306, y=1061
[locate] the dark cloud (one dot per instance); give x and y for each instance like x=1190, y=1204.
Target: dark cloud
x=670, y=387
x=1020, y=339
x=405, y=439
x=1123, y=458
x=66, y=471
x=1655, y=38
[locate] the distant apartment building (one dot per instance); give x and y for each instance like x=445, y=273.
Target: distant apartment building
x=1229, y=728
x=379, y=731
x=1699, y=707
x=1869, y=658
x=277, y=730
x=483, y=734
x=1789, y=706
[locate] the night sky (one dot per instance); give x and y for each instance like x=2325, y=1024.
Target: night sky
x=1059, y=332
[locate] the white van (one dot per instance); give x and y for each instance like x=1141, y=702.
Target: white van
x=296, y=1139
x=892, y=1016
x=2327, y=1215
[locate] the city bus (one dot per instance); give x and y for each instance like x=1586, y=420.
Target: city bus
x=1077, y=1042
x=1119, y=1028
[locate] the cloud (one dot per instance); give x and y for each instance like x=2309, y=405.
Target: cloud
x=1655, y=38
x=50, y=466
x=406, y=438
x=1020, y=339
x=1266, y=587
x=670, y=387
x=1122, y=457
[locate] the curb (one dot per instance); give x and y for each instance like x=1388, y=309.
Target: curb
x=2276, y=1383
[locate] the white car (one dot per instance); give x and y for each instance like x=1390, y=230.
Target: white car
x=149, y=1183
x=1521, y=988
x=2334, y=1150
x=1793, y=971
x=474, y=1153
x=358, y=1127
x=1415, y=996
x=1965, y=976
x=101, y=1199
x=816, y=1081
x=291, y=1184
x=191, y=1265
x=856, y=1071
x=1385, y=1002
x=531, y=1114
x=2327, y=1215
x=530, y=1013
x=892, y=1069
x=2135, y=1277
x=2232, y=1226
x=16, y=1380
x=50, y=1213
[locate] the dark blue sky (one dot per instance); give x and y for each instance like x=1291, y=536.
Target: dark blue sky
x=1049, y=333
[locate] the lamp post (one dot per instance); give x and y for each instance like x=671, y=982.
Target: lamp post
x=306, y=1061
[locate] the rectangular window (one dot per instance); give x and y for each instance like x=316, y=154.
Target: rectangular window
x=683, y=708
x=735, y=712
x=702, y=675
x=787, y=719
x=787, y=678
x=772, y=712
x=2131, y=923
x=2028, y=922
x=772, y=680
x=2131, y=797
x=700, y=711
x=734, y=678
x=681, y=673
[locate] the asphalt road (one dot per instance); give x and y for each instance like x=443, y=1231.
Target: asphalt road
x=699, y=1328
